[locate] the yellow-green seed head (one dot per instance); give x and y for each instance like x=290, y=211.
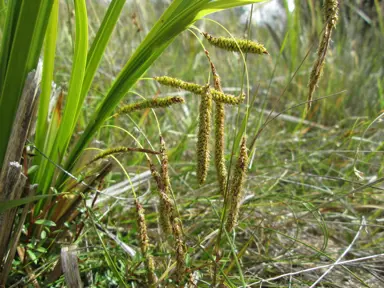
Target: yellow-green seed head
x=204, y=135
x=165, y=212
x=151, y=103
x=143, y=235
x=331, y=11
x=219, y=132
x=165, y=204
x=164, y=166
x=221, y=169
x=236, y=45
x=217, y=96
x=144, y=244
x=237, y=186
x=177, y=83
x=227, y=99
x=180, y=251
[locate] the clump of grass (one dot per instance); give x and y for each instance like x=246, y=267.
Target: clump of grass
x=237, y=186
x=283, y=185
x=330, y=10
x=236, y=45
x=202, y=149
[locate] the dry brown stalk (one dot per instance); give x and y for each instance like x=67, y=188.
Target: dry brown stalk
x=12, y=180
x=68, y=210
x=70, y=266
x=15, y=239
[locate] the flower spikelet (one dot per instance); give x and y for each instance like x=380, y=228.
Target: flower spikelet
x=151, y=103
x=219, y=147
x=177, y=83
x=220, y=97
x=236, y=45
x=237, y=186
x=219, y=132
x=217, y=96
x=330, y=10
x=144, y=244
x=203, y=135
x=180, y=250
x=165, y=204
x=170, y=223
x=164, y=166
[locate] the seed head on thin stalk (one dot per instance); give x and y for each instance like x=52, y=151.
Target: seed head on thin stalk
x=204, y=135
x=164, y=166
x=237, y=186
x=330, y=10
x=219, y=132
x=236, y=45
x=169, y=220
x=151, y=103
x=144, y=244
x=165, y=204
x=217, y=96
x=180, y=250
x=180, y=247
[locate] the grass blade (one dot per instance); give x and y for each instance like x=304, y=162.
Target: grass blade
x=97, y=49
x=24, y=35
x=47, y=77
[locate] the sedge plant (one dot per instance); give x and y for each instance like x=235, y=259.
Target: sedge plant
x=30, y=31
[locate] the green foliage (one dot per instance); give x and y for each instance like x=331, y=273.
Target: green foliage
x=178, y=17
x=21, y=44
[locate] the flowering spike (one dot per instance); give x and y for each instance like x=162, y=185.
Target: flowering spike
x=151, y=103
x=144, y=244
x=237, y=186
x=330, y=10
x=217, y=96
x=203, y=136
x=219, y=132
x=236, y=45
